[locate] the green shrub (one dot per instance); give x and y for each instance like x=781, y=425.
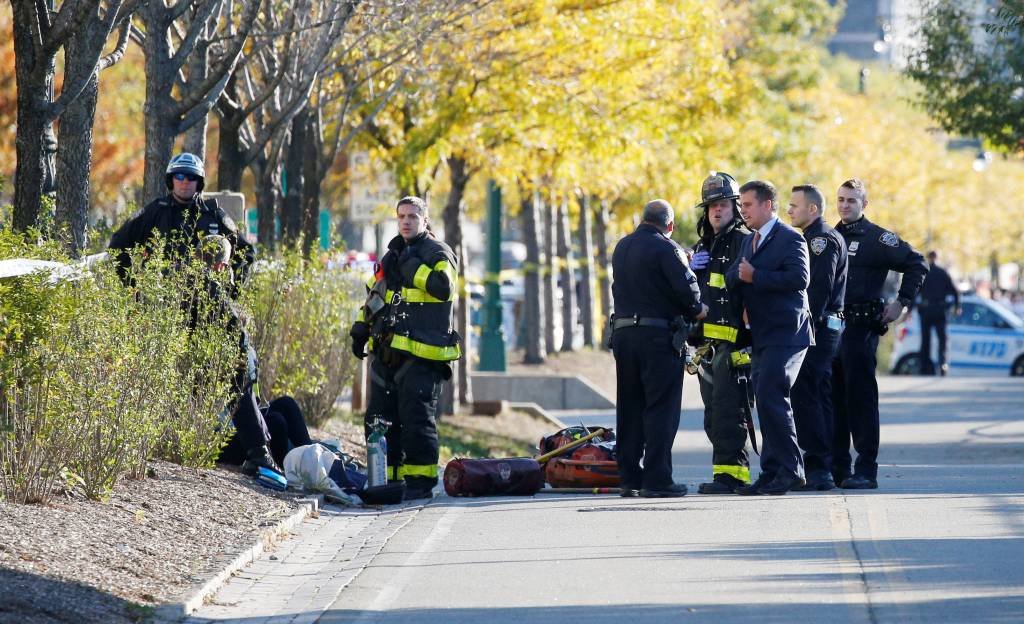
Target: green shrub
x=301, y=314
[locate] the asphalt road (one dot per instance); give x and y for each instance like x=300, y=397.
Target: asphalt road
x=941, y=540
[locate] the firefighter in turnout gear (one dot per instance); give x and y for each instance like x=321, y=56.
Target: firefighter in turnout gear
x=407, y=322
x=724, y=371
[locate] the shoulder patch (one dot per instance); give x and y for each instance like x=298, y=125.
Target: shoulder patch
x=229, y=223
x=818, y=245
x=890, y=239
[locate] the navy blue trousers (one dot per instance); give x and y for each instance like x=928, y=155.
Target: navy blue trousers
x=855, y=401
x=775, y=370
x=812, y=401
x=649, y=383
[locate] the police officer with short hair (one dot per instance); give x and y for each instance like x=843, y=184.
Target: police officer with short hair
x=812, y=392
x=723, y=369
x=655, y=298
x=407, y=322
x=183, y=217
x=872, y=252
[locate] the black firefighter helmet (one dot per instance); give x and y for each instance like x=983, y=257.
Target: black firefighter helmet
x=718, y=185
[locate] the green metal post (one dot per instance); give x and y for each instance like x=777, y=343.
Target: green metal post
x=492, y=336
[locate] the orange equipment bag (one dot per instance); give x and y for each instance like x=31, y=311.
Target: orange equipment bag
x=591, y=465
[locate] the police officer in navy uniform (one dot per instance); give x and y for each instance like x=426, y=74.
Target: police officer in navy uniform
x=722, y=335
x=655, y=298
x=872, y=252
x=183, y=217
x=938, y=295
x=812, y=392
x=411, y=332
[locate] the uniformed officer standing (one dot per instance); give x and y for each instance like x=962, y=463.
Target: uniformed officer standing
x=938, y=295
x=183, y=217
x=812, y=392
x=872, y=252
x=408, y=324
x=655, y=297
x=723, y=382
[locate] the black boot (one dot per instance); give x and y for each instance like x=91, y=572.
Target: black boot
x=257, y=458
x=721, y=484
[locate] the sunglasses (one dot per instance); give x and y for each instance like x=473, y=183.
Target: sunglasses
x=181, y=177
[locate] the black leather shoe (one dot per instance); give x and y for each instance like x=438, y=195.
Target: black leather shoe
x=259, y=458
x=755, y=488
x=674, y=490
x=721, y=484
x=782, y=484
x=628, y=492
x=857, y=482
x=839, y=477
x=818, y=482
x=414, y=492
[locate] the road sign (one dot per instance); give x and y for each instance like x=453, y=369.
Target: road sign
x=373, y=191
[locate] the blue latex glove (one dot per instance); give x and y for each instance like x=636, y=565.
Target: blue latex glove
x=700, y=260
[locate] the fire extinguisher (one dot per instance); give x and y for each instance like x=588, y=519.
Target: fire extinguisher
x=377, y=453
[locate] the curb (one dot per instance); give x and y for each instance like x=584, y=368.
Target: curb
x=197, y=594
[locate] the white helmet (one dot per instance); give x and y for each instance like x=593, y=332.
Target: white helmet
x=186, y=163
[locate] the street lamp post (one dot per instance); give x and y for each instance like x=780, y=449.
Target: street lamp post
x=492, y=337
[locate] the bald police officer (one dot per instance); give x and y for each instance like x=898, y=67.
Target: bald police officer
x=656, y=298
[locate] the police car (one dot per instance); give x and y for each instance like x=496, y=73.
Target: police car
x=986, y=338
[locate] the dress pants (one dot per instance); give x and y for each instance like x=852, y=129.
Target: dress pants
x=775, y=370
x=812, y=401
x=855, y=401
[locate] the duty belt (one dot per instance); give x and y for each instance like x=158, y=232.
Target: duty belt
x=863, y=313
x=641, y=321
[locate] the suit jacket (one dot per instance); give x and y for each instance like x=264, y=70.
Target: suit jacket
x=776, y=301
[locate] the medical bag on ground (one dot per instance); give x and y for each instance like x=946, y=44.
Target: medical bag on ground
x=589, y=466
x=514, y=476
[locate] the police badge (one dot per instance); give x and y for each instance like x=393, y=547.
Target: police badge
x=890, y=239
x=818, y=245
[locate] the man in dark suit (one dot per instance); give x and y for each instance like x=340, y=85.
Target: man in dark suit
x=770, y=280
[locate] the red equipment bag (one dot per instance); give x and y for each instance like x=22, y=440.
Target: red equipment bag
x=515, y=476
x=589, y=466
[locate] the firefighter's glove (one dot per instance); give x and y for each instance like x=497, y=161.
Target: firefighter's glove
x=360, y=334
x=408, y=267
x=700, y=260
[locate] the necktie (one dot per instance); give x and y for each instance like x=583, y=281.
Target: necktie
x=757, y=239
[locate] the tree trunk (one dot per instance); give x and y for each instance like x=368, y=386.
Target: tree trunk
x=229, y=142
x=291, y=207
x=454, y=212
x=266, y=204
x=161, y=126
x=74, y=151
x=534, y=347
x=550, y=274
x=568, y=277
x=604, y=282
x=198, y=70
x=311, y=193
x=586, y=272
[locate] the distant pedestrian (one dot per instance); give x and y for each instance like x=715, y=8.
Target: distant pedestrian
x=937, y=297
x=770, y=280
x=655, y=297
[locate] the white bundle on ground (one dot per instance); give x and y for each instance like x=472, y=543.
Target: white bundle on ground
x=309, y=466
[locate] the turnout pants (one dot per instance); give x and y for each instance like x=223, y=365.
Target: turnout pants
x=725, y=409
x=406, y=396
x=649, y=381
x=812, y=401
x=855, y=401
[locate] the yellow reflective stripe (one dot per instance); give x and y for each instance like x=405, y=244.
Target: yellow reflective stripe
x=418, y=470
x=370, y=282
x=739, y=358
x=415, y=295
x=447, y=269
x=361, y=316
x=716, y=280
x=393, y=473
x=738, y=472
x=420, y=279
x=720, y=332
x=426, y=351
x=369, y=344
x=389, y=295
